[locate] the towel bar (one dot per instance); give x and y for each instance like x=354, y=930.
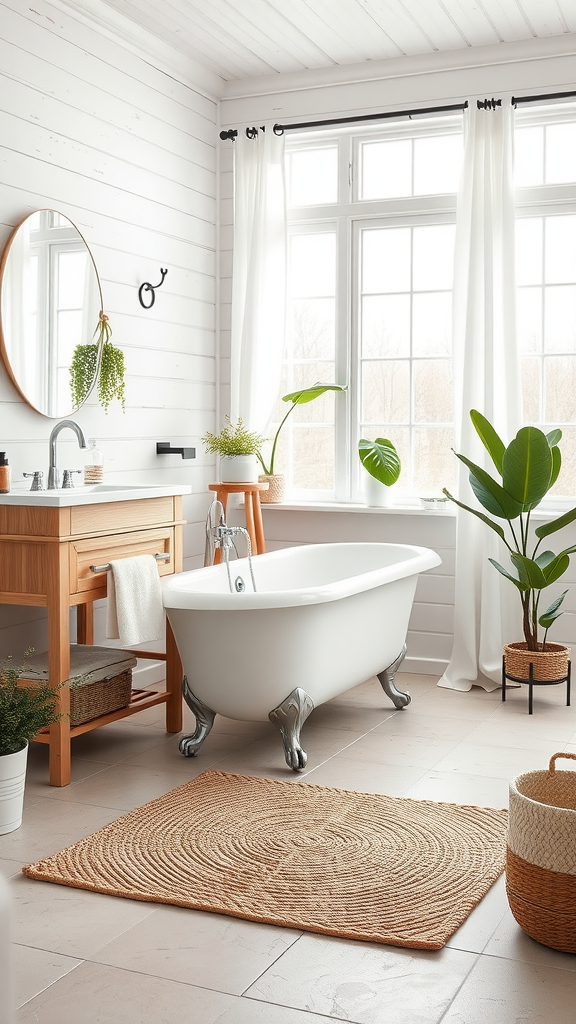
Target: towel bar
x=159, y=556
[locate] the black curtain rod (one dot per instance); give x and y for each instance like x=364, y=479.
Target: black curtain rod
x=278, y=129
x=543, y=96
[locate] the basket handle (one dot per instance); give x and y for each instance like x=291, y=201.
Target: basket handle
x=552, y=767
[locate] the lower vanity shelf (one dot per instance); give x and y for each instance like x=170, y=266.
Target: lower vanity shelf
x=139, y=701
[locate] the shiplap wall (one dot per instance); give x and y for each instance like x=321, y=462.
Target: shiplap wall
x=127, y=152
x=533, y=66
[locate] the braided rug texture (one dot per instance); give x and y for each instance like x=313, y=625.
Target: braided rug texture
x=355, y=865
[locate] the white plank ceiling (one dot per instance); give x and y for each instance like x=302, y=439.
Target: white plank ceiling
x=244, y=38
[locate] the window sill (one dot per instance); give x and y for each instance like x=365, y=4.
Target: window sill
x=340, y=506
x=408, y=507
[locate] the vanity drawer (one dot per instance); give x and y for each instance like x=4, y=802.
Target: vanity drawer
x=100, y=550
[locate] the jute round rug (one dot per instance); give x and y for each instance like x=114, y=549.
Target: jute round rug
x=356, y=865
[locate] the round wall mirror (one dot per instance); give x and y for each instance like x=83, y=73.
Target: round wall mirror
x=50, y=299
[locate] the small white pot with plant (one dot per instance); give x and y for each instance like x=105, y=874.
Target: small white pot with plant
x=24, y=711
x=382, y=464
x=237, y=447
x=275, y=492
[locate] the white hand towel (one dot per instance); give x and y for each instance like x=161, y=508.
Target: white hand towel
x=135, y=613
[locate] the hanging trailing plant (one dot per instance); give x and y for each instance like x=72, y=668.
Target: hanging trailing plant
x=83, y=372
x=111, y=377
x=99, y=362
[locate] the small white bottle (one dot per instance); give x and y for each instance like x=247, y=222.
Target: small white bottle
x=94, y=465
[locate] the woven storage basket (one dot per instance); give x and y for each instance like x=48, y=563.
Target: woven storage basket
x=548, y=665
x=275, y=490
x=90, y=700
x=100, y=679
x=541, y=855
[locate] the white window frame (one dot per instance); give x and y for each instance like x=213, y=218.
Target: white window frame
x=350, y=214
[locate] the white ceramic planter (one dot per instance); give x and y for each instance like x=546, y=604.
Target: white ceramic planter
x=376, y=495
x=239, y=469
x=12, y=779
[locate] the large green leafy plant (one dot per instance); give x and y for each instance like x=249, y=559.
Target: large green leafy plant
x=24, y=710
x=528, y=468
x=295, y=398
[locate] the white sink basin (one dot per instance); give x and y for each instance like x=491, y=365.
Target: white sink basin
x=93, y=494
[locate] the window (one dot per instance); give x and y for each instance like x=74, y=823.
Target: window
x=371, y=243
x=59, y=266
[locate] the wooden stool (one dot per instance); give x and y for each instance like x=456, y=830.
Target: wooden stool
x=252, y=510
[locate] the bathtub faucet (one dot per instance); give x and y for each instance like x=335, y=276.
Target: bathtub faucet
x=224, y=535
x=221, y=536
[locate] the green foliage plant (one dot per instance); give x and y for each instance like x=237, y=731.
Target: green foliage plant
x=295, y=398
x=380, y=459
x=24, y=710
x=527, y=468
x=83, y=372
x=99, y=363
x=233, y=439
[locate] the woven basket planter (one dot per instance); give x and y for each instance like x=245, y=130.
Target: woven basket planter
x=548, y=665
x=541, y=855
x=275, y=490
x=90, y=700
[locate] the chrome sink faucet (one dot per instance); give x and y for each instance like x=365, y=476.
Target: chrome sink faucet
x=53, y=475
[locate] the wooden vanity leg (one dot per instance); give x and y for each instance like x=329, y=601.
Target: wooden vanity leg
x=173, y=683
x=59, y=662
x=85, y=623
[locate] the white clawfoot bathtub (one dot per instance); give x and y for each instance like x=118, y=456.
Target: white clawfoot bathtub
x=325, y=617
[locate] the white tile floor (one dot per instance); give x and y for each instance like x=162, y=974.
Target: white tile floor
x=84, y=957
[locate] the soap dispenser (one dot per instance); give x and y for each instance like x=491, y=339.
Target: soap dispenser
x=94, y=465
x=4, y=474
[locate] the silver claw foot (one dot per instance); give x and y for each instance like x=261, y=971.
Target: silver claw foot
x=290, y=716
x=204, y=721
x=399, y=698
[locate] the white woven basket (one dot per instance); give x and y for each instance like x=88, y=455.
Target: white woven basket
x=541, y=855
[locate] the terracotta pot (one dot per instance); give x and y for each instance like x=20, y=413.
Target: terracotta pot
x=275, y=490
x=548, y=665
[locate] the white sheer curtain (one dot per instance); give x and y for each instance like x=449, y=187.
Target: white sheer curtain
x=258, y=278
x=487, y=378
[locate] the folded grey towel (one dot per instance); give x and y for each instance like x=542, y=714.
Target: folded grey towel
x=88, y=664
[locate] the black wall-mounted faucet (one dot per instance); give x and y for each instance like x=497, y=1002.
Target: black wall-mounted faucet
x=165, y=448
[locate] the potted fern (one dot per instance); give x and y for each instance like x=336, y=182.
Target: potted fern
x=275, y=491
x=24, y=711
x=527, y=468
x=237, y=447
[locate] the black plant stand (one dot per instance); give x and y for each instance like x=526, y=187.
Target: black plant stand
x=535, y=682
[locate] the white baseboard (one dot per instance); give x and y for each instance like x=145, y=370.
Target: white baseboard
x=147, y=673
x=424, y=666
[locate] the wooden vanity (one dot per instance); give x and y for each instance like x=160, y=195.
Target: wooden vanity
x=45, y=558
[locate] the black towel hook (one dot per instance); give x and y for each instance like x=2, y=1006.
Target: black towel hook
x=150, y=288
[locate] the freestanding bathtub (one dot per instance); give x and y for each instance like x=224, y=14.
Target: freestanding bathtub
x=324, y=618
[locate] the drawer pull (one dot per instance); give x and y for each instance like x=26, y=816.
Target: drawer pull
x=160, y=557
